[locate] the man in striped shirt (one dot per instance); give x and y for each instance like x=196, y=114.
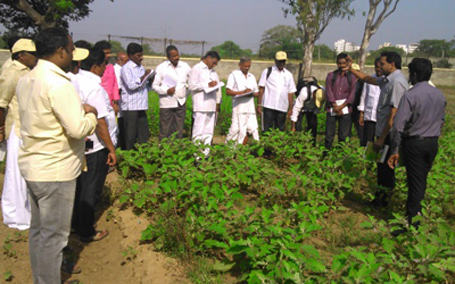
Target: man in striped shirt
x=135, y=100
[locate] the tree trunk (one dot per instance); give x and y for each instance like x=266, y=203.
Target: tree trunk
x=40, y=20
x=363, y=48
x=308, y=58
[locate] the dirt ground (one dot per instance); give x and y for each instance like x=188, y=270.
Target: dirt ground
x=119, y=258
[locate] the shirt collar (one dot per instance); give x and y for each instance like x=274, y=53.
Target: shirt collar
x=275, y=68
x=170, y=64
x=20, y=65
x=51, y=66
x=393, y=75
x=90, y=75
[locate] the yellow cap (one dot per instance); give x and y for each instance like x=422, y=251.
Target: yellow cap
x=24, y=44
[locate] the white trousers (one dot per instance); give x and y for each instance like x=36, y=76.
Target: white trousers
x=203, y=128
x=15, y=200
x=241, y=125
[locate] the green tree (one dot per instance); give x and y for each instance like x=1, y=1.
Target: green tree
x=313, y=16
x=323, y=51
x=26, y=15
x=229, y=49
x=116, y=46
x=372, y=24
x=281, y=37
x=376, y=53
x=435, y=48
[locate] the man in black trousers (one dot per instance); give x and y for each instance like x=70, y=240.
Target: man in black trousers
x=416, y=128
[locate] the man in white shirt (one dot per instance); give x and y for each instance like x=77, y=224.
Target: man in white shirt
x=135, y=100
x=242, y=86
x=102, y=153
x=206, y=97
x=54, y=123
x=369, y=101
x=276, y=94
x=122, y=59
x=171, y=84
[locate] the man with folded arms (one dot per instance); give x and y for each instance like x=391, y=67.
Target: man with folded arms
x=54, y=124
x=171, y=82
x=15, y=201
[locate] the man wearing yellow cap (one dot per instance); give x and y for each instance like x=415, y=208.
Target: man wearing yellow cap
x=276, y=94
x=15, y=205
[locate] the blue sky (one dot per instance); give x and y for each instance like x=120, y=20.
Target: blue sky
x=244, y=21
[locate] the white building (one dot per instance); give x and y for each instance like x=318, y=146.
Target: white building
x=345, y=46
x=339, y=45
x=385, y=44
x=412, y=47
x=402, y=46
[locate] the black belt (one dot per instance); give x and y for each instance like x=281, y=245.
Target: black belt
x=422, y=138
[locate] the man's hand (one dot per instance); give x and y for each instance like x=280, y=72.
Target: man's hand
x=259, y=110
x=393, y=160
x=361, y=121
x=213, y=84
x=289, y=114
x=348, y=65
x=116, y=108
x=293, y=127
x=90, y=109
x=2, y=137
x=247, y=91
x=111, y=159
x=171, y=91
x=218, y=108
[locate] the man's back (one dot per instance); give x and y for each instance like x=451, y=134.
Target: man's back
x=53, y=125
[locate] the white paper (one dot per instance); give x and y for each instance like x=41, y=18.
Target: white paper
x=150, y=75
x=244, y=95
x=169, y=82
x=211, y=89
x=345, y=110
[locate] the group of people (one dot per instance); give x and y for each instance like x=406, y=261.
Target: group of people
x=68, y=109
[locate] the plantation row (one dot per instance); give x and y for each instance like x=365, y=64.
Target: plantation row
x=272, y=220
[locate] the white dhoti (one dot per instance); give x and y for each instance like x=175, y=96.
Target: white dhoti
x=203, y=128
x=241, y=125
x=15, y=200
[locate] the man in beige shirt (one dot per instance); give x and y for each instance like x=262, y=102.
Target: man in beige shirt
x=54, y=124
x=15, y=204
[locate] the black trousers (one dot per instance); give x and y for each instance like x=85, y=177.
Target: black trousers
x=368, y=132
x=172, y=120
x=273, y=119
x=89, y=186
x=358, y=128
x=121, y=133
x=311, y=124
x=386, y=178
x=344, y=124
x=136, y=128
x=418, y=157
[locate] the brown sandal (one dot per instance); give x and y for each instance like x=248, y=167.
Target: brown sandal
x=95, y=238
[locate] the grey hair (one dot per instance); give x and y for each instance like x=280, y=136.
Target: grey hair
x=244, y=59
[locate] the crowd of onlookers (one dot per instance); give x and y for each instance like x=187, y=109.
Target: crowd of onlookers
x=64, y=109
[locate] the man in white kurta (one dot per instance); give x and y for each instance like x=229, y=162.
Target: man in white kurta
x=15, y=202
x=205, y=88
x=243, y=87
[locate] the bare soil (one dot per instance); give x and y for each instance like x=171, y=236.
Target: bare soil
x=119, y=258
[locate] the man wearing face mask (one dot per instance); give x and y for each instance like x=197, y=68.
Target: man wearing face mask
x=171, y=82
x=276, y=94
x=15, y=203
x=416, y=128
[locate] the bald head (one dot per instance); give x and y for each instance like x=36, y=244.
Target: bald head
x=122, y=58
